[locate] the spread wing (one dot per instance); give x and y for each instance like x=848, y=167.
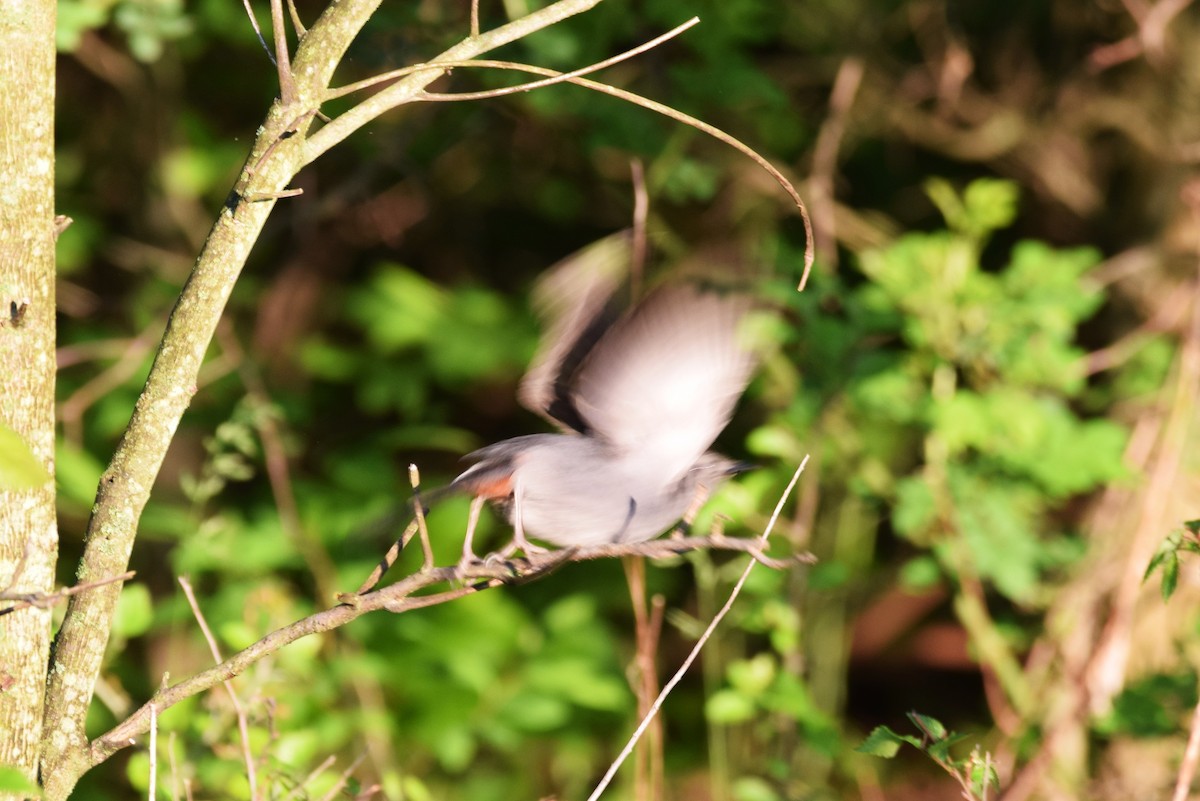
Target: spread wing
x=663, y=381
x=576, y=301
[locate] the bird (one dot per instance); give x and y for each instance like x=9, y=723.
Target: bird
x=638, y=397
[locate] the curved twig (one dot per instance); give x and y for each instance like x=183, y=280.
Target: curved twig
x=652, y=105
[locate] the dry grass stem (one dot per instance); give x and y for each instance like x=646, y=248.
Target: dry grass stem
x=243, y=725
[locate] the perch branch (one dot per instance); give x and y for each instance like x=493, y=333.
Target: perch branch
x=400, y=597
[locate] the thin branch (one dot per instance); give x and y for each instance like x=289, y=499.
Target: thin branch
x=562, y=77
x=695, y=652
x=325, y=765
x=414, y=480
x=1191, y=757
x=283, y=62
x=296, y=21
x=392, y=75
x=152, y=790
x=257, y=30
x=389, y=558
x=243, y=726
x=647, y=618
x=71, y=410
x=404, y=91
x=399, y=597
x=343, y=779
x=43, y=600
x=641, y=210
x=825, y=157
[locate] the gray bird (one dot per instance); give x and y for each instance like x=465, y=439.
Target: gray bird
x=639, y=398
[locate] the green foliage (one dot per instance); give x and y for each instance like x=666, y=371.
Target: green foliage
x=149, y=25
x=986, y=380
x=975, y=773
x=1166, y=558
x=1156, y=705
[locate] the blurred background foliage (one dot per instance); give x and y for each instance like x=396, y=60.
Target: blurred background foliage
x=994, y=368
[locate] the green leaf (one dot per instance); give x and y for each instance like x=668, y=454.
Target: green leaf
x=986, y=205
x=752, y=676
x=729, y=706
x=883, y=742
x=135, y=611
x=983, y=776
x=77, y=473
x=13, y=780
x=1170, y=579
x=1153, y=706
x=915, y=508
x=752, y=788
x=920, y=573
x=990, y=204
x=932, y=727
x=19, y=468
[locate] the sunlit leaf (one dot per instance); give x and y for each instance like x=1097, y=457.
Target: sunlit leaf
x=19, y=468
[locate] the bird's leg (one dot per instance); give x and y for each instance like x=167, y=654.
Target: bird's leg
x=468, y=553
x=519, y=541
x=684, y=526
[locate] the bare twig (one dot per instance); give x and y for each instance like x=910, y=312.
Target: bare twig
x=257, y=30
x=296, y=21
x=341, y=782
x=325, y=765
x=414, y=479
x=566, y=76
x=152, y=790
x=43, y=600
x=283, y=62
x=1106, y=671
x=1150, y=39
x=647, y=617
x=133, y=353
x=1191, y=757
x=695, y=652
x=641, y=210
x=389, y=558
x=243, y=726
x=405, y=91
x=556, y=78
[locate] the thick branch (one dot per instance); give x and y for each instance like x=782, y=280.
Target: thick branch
x=28, y=533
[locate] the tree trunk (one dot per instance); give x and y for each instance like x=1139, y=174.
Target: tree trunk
x=28, y=532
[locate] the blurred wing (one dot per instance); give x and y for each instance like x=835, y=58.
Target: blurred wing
x=576, y=301
x=663, y=382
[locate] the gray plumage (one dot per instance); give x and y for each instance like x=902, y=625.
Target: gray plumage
x=640, y=398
